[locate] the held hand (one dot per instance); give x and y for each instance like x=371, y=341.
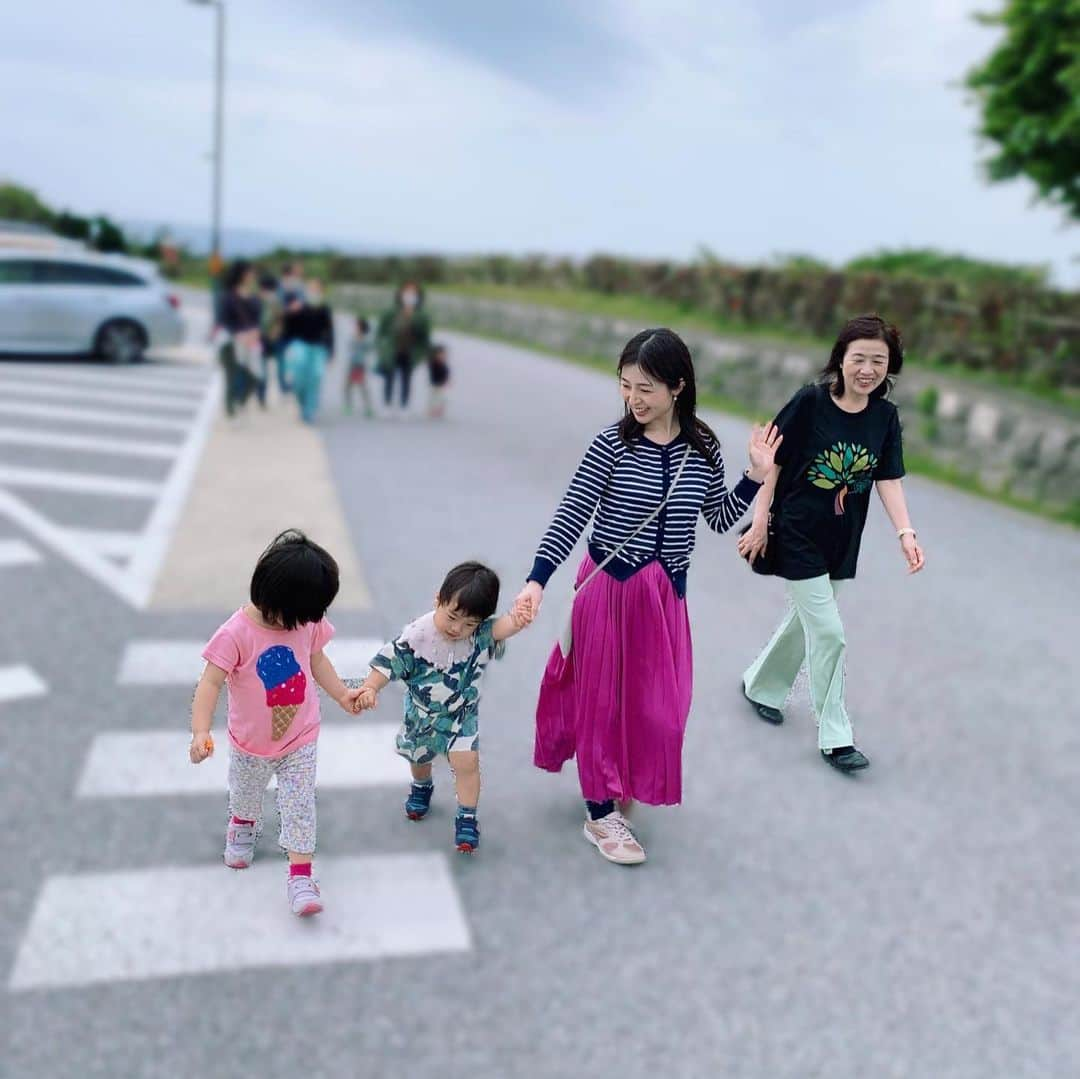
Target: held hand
x=764, y=442
x=348, y=700
x=521, y=614
x=202, y=746
x=366, y=699
x=533, y=592
x=912, y=553
x=753, y=542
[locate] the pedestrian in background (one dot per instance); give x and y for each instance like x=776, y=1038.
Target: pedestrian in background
x=840, y=438
x=269, y=653
x=439, y=379
x=403, y=341
x=361, y=346
x=309, y=327
x=291, y=294
x=271, y=328
x=240, y=350
x=617, y=696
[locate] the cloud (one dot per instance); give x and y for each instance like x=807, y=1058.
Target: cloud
x=831, y=128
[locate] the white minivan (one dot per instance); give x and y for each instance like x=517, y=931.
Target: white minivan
x=75, y=302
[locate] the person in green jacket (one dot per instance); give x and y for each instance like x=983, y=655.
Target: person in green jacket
x=403, y=341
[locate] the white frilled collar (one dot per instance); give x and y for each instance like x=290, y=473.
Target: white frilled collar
x=434, y=647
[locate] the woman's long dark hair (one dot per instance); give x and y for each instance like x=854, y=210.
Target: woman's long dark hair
x=236, y=274
x=864, y=328
x=662, y=354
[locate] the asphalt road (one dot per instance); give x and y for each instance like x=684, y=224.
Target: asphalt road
x=919, y=920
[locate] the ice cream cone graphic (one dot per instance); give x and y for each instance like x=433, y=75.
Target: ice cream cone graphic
x=285, y=684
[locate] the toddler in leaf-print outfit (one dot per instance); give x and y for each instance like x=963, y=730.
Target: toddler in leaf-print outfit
x=441, y=657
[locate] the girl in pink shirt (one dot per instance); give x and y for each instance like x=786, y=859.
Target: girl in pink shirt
x=269, y=653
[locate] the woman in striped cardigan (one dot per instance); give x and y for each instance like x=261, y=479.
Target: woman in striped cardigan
x=620, y=699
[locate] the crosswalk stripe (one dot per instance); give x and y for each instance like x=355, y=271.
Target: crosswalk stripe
x=351, y=656
x=180, y=663
x=13, y=388
x=93, y=417
x=166, y=921
x=144, y=764
x=77, y=482
x=186, y=380
x=104, y=542
x=60, y=440
x=16, y=552
x=20, y=682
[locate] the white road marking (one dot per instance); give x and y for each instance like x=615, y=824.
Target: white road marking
x=134, y=581
x=77, y=482
x=15, y=388
x=14, y=552
x=143, y=569
x=351, y=656
x=145, y=764
x=180, y=663
x=178, y=380
x=60, y=440
x=92, y=417
x=57, y=539
x=20, y=682
x=167, y=921
x=110, y=544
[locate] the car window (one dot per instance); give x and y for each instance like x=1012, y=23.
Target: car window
x=79, y=273
x=16, y=271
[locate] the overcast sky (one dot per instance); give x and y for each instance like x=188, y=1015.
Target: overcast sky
x=646, y=127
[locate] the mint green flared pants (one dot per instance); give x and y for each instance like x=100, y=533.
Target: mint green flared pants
x=811, y=632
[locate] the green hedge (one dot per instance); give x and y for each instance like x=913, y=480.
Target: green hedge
x=1007, y=324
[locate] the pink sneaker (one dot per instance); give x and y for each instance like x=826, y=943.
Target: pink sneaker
x=612, y=837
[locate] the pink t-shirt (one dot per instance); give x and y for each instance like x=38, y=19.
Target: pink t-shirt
x=273, y=698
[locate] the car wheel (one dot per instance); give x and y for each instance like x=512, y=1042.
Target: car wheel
x=121, y=342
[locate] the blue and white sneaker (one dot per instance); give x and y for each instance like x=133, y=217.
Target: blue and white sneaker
x=419, y=801
x=466, y=834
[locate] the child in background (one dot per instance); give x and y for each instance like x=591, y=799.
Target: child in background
x=439, y=377
x=441, y=658
x=360, y=349
x=268, y=653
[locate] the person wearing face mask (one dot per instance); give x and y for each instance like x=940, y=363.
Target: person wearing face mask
x=403, y=341
x=841, y=438
x=309, y=329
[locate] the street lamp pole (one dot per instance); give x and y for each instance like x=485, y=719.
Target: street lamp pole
x=216, y=261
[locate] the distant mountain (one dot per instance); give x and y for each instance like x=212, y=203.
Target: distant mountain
x=246, y=242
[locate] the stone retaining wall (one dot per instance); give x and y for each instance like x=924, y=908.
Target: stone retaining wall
x=1011, y=443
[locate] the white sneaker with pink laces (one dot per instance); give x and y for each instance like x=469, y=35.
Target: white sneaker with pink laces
x=304, y=897
x=612, y=837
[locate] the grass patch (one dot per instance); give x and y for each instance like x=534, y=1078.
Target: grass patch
x=643, y=309
x=653, y=312
x=919, y=464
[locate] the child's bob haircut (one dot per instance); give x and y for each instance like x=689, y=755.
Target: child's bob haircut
x=472, y=588
x=294, y=581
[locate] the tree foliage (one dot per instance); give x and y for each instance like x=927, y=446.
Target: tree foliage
x=1029, y=93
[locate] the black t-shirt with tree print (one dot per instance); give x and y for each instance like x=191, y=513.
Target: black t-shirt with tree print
x=829, y=460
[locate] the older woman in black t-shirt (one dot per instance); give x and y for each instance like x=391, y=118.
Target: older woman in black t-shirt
x=841, y=437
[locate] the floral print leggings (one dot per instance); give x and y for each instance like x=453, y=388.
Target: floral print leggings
x=248, y=777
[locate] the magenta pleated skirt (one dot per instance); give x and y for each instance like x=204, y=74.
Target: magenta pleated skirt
x=620, y=701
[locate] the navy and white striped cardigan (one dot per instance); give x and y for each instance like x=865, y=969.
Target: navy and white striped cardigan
x=622, y=485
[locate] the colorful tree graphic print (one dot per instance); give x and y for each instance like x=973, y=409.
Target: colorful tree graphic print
x=845, y=466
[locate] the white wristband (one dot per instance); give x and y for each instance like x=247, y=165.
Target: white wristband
x=905, y=532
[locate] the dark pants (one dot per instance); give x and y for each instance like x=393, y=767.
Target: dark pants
x=239, y=382
x=403, y=369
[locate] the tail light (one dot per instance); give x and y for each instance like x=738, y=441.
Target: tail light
x=174, y=300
